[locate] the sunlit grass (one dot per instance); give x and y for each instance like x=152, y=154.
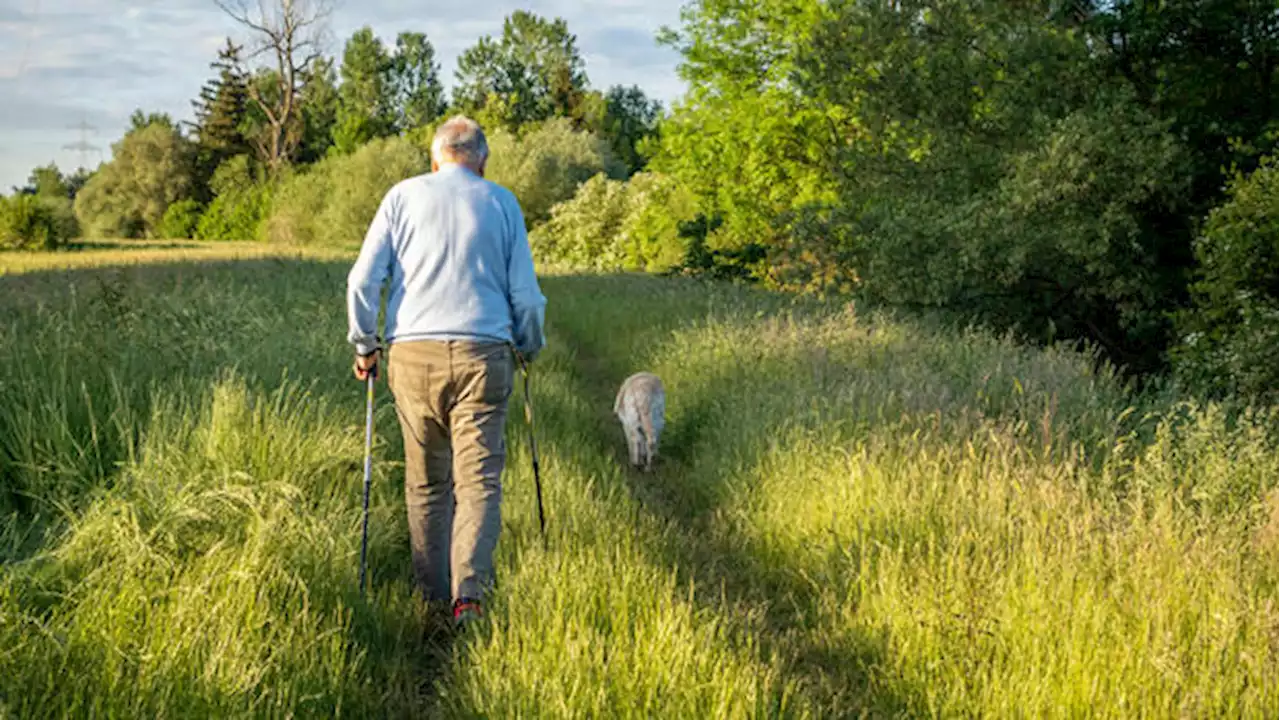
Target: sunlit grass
x=100, y=253
x=854, y=514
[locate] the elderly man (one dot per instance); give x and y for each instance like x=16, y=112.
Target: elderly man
x=462, y=292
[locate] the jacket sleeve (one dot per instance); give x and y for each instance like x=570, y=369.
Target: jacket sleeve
x=528, y=306
x=364, y=282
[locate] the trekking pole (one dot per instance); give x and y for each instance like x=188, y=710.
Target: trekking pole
x=368, y=470
x=533, y=446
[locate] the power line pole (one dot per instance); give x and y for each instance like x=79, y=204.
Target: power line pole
x=83, y=146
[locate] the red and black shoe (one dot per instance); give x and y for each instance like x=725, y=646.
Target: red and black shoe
x=466, y=611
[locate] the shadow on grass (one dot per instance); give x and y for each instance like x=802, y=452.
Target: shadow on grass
x=767, y=605
x=83, y=245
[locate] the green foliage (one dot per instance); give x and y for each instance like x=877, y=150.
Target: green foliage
x=1037, y=166
x=180, y=220
x=236, y=216
x=583, y=232
x=630, y=119
x=77, y=180
x=333, y=202
x=1229, y=337
x=33, y=222
x=1210, y=68
x=748, y=159
x=534, y=72
x=62, y=211
x=151, y=168
x=365, y=109
x=300, y=199
x=611, y=225
x=140, y=120
x=1056, y=245
x=241, y=202
x=546, y=164
x=415, y=82
x=319, y=98
x=48, y=182
x=221, y=112
x=383, y=93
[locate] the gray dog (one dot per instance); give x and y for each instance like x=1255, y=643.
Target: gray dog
x=641, y=407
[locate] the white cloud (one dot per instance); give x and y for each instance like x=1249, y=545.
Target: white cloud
x=98, y=61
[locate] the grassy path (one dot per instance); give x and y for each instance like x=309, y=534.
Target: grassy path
x=854, y=516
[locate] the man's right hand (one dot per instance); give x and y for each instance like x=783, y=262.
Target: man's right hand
x=364, y=365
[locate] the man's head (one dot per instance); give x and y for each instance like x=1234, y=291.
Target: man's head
x=460, y=141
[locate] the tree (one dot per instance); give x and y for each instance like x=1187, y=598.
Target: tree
x=418, y=95
x=139, y=120
x=221, y=110
x=47, y=181
x=150, y=168
x=319, y=100
x=533, y=73
x=1228, y=337
x=629, y=118
x=1210, y=66
x=76, y=180
x=289, y=33
x=365, y=97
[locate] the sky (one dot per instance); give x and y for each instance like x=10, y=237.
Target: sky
x=93, y=62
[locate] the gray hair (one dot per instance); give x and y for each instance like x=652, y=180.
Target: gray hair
x=460, y=139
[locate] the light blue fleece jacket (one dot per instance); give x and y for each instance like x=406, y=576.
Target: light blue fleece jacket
x=454, y=249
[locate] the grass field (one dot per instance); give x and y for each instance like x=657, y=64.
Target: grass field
x=856, y=515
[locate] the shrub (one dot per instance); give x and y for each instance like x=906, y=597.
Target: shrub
x=151, y=168
x=333, y=202
x=1229, y=338
x=583, y=232
x=546, y=164
x=31, y=223
x=63, y=213
x=358, y=182
x=179, y=221
x=242, y=201
x=299, y=201
x=656, y=206
x=611, y=225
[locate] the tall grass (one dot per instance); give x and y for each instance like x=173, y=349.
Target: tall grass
x=124, y=253
x=854, y=515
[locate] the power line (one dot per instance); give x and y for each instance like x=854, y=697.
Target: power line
x=83, y=146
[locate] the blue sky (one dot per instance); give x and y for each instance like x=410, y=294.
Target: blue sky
x=95, y=61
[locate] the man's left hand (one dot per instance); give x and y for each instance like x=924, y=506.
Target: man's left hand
x=364, y=365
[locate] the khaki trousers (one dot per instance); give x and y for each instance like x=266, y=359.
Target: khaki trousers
x=451, y=396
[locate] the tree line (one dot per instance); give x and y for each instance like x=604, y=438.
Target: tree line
x=1067, y=169
x=277, y=108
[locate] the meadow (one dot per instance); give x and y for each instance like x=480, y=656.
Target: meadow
x=857, y=513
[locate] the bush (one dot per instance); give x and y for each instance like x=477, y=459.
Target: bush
x=241, y=203
x=333, y=202
x=613, y=225
x=31, y=223
x=299, y=201
x=656, y=207
x=1229, y=339
x=63, y=213
x=151, y=168
x=179, y=221
x=1060, y=238
x=546, y=164
x=583, y=232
